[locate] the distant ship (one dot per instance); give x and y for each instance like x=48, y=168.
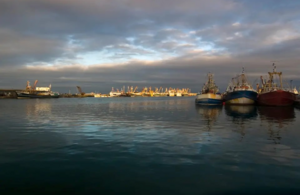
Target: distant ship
x=273, y=94
x=210, y=93
x=36, y=92
x=171, y=92
x=240, y=92
x=178, y=93
x=114, y=93
x=99, y=95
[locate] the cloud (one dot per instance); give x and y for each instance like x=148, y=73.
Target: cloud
x=171, y=42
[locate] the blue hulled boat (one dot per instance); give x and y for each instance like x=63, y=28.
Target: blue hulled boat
x=239, y=91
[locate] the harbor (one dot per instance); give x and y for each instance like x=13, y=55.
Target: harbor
x=270, y=92
x=128, y=97
x=130, y=91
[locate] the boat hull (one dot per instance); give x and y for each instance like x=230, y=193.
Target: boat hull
x=208, y=99
x=276, y=98
x=241, y=97
x=34, y=96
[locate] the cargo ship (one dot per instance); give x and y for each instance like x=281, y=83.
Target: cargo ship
x=240, y=92
x=36, y=92
x=210, y=93
x=273, y=94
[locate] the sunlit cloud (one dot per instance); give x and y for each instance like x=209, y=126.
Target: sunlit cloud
x=132, y=38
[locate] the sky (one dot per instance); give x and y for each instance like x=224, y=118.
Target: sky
x=99, y=44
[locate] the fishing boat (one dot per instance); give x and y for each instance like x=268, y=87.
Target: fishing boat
x=178, y=93
x=273, y=94
x=36, y=92
x=209, y=94
x=171, y=92
x=97, y=95
x=136, y=94
x=240, y=92
x=114, y=93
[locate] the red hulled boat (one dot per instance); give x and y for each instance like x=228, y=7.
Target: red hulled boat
x=270, y=94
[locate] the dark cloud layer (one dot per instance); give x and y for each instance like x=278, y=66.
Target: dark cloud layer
x=99, y=44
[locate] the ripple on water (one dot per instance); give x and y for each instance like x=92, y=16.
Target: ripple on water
x=167, y=143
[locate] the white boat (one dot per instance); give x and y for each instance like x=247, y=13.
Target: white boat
x=114, y=93
x=178, y=94
x=209, y=94
x=171, y=93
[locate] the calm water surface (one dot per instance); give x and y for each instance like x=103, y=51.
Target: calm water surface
x=147, y=146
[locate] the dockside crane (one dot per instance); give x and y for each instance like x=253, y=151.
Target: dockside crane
x=160, y=90
x=34, y=85
x=80, y=91
x=28, y=87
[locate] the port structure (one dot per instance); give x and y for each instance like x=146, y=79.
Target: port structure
x=83, y=94
x=150, y=92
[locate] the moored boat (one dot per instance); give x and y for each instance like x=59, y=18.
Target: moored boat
x=171, y=93
x=240, y=92
x=137, y=94
x=178, y=94
x=97, y=95
x=114, y=93
x=36, y=92
x=273, y=94
x=209, y=94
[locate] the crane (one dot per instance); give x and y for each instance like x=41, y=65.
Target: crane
x=28, y=87
x=80, y=91
x=160, y=90
x=34, y=85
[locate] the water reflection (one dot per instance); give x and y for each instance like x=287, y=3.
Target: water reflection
x=278, y=115
x=243, y=112
x=209, y=113
x=276, y=118
x=240, y=115
x=36, y=111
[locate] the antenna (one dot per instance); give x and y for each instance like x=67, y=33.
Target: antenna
x=274, y=67
x=291, y=84
x=273, y=64
x=243, y=70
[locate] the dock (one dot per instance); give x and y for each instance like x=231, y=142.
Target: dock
x=9, y=93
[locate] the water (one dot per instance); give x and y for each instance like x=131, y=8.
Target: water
x=147, y=146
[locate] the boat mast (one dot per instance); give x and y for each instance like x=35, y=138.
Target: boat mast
x=243, y=77
x=271, y=75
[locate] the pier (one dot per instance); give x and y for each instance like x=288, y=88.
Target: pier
x=9, y=93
